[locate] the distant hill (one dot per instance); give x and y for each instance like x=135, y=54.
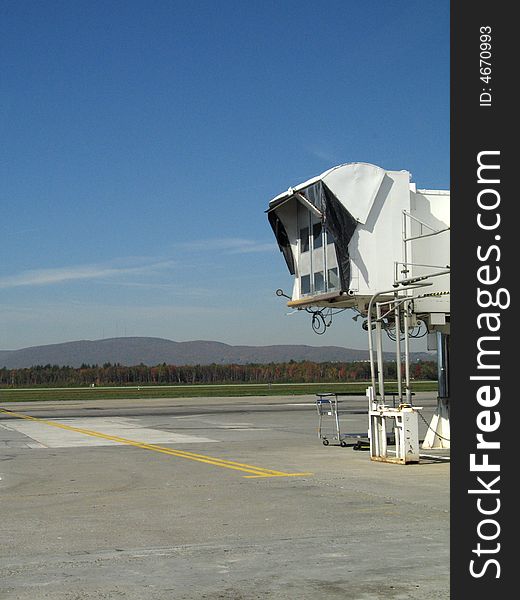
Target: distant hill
x=150, y=351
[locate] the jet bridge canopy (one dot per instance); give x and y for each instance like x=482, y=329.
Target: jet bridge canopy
x=356, y=228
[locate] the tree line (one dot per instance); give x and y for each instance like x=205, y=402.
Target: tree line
x=164, y=374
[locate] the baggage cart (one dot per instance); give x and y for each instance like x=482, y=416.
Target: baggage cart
x=327, y=406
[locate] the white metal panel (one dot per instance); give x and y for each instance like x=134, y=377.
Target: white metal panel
x=439, y=203
x=432, y=208
x=356, y=186
x=377, y=245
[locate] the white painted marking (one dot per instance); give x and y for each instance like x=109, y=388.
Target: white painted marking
x=434, y=456
x=55, y=437
x=234, y=426
x=243, y=428
x=186, y=417
x=35, y=445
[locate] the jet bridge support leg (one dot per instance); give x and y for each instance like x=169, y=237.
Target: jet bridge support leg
x=404, y=422
x=438, y=434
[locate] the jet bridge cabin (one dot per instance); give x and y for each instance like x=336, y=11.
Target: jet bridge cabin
x=355, y=230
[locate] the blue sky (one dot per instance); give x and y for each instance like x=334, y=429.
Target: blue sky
x=142, y=142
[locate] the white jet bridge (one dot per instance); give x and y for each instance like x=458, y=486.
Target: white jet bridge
x=361, y=237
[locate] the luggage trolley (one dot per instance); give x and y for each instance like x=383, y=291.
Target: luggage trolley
x=327, y=404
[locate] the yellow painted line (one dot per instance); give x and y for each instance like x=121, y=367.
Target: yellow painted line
x=280, y=475
x=217, y=462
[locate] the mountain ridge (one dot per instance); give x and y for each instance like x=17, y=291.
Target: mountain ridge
x=151, y=351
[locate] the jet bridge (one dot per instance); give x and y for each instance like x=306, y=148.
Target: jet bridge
x=365, y=238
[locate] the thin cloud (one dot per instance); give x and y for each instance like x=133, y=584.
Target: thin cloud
x=228, y=246
x=323, y=155
x=39, y=277
x=19, y=232
x=172, y=288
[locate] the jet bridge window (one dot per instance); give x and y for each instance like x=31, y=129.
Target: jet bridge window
x=317, y=263
x=333, y=279
x=304, y=239
x=305, y=284
x=319, y=282
x=317, y=235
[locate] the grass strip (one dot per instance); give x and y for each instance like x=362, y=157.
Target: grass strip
x=194, y=391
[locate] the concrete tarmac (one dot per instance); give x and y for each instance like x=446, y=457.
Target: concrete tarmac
x=214, y=498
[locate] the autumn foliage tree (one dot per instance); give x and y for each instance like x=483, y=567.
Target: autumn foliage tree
x=164, y=374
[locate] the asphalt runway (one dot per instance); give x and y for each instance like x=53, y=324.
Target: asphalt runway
x=215, y=498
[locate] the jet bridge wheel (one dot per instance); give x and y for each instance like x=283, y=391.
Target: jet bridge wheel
x=325, y=442
x=343, y=444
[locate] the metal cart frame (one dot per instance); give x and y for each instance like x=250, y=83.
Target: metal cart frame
x=327, y=405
